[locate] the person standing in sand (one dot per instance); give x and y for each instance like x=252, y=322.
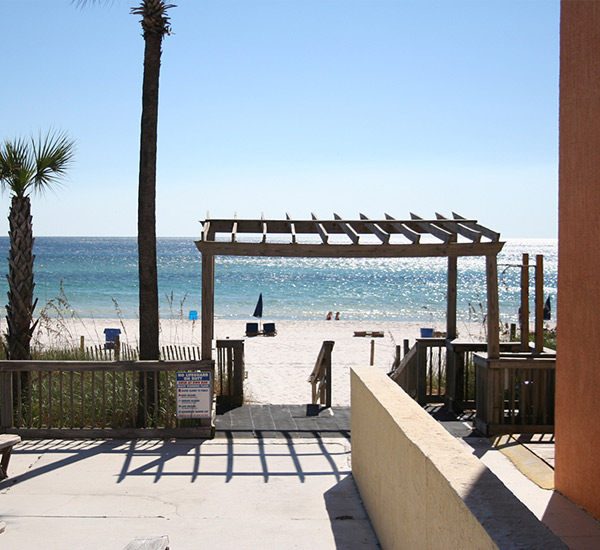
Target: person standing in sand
x=328, y=318
x=337, y=316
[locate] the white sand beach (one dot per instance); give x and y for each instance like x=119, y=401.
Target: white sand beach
x=277, y=367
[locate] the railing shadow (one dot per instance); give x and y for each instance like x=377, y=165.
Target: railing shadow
x=226, y=457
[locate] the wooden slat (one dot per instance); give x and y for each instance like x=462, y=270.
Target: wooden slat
x=382, y=235
x=463, y=230
x=348, y=229
x=264, y=228
x=206, y=227
x=292, y=226
x=492, y=235
x=234, y=228
x=429, y=227
x=413, y=236
x=320, y=229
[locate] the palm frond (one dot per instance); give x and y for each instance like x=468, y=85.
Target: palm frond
x=17, y=166
x=35, y=164
x=53, y=156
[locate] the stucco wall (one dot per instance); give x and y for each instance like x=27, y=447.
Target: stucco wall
x=578, y=360
x=421, y=487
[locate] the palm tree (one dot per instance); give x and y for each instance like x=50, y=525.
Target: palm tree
x=155, y=24
x=27, y=166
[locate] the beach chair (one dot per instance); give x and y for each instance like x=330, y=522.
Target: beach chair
x=269, y=329
x=193, y=315
x=111, y=334
x=252, y=329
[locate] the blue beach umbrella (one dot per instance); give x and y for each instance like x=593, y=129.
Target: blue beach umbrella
x=258, y=310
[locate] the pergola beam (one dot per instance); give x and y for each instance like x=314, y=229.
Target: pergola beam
x=428, y=227
x=488, y=233
x=460, y=229
x=382, y=235
x=320, y=229
x=413, y=236
x=292, y=227
x=348, y=229
x=349, y=251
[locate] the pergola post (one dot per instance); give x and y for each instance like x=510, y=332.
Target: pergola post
x=493, y=312
x=451, y=305
x=539, y=303
x=452, y=376
x=208, y=304
x=524, y=317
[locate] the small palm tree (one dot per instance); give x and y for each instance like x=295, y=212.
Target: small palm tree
x=27, y=166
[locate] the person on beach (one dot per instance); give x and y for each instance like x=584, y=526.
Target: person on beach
x=337, y=316
x=328, y=318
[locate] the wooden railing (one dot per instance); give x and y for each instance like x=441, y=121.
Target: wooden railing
x=320, y=378
x=422, y=371
x=515, y=393
x=80, y=399
x=461, y=378
x=230, y=372
x=512, y=394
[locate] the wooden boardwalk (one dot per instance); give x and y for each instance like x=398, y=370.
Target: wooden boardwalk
x=283, y=421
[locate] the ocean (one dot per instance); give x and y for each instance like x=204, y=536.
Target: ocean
x=96, y=277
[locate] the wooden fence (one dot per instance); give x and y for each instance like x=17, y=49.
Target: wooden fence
x=422, y=371
x=82, y=399
x=512, y=394
x=515, y=394
x=119, y=352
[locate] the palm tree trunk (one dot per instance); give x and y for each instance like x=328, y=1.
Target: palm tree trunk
x=20, y=279
x=147, y=200
x=149, y=327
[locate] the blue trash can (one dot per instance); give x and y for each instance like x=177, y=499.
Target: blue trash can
x=426, y=333
x=110, y=334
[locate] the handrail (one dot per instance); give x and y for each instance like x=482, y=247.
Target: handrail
x=415, y=373
x=398, y=371
x=320, y=378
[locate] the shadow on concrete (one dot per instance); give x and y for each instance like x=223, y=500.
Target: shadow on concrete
x=574, y=526
x=78, y=451
x=184, y=458
x=349, y=521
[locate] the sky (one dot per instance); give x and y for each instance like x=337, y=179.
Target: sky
x=296, y=106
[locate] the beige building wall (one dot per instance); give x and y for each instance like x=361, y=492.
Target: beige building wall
x=578, y=361
x=421, y=487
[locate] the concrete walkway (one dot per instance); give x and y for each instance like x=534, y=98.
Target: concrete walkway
x=274, y=477
x=231, y=492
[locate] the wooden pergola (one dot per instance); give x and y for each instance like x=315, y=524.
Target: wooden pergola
x=362, y=238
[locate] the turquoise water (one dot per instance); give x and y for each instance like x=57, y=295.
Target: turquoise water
x=99, y=279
